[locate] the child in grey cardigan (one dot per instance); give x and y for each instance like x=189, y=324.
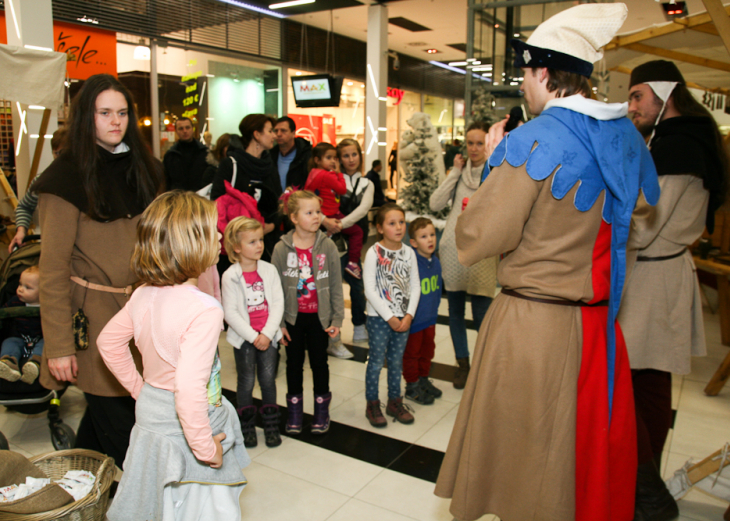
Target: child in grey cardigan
x=309, y=267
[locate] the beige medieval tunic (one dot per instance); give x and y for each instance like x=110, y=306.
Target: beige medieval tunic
x=512, y=452
x=661, y=310
x=481, y=277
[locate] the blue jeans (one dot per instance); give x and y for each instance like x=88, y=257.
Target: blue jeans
x=384, y=343
x=457, y=318
x=15, y=346
x=249, y=362
x=357, y=294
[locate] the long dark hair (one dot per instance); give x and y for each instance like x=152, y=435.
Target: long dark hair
x=144, y=173
x=686, y=104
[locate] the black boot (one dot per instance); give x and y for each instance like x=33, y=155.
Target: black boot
x=270, y=416
x=653, y=500
x=461, y=373
x=247, y=415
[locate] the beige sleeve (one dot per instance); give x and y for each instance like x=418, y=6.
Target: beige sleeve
x=647, y=221
x=59, y=221
x=496, y=214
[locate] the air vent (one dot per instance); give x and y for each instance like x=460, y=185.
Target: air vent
x=407, y=24
x=418, y=44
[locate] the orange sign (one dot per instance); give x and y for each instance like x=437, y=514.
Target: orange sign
x=88, y=50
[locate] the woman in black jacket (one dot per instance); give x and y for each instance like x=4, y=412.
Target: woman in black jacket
x=256, y=173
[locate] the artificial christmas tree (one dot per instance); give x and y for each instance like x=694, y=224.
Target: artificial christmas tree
x=422, y=155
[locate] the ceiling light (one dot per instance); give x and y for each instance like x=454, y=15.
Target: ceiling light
x=147, y=122
x=292, y=3
x=517, y=35
x=471, y=59
x=432, y=51
x=362, y=86
x=141, y=52
x=166, y=121
x=480, y=69
x=457, y=64
x=299, y=73
x=496, y=26
x=349, y=83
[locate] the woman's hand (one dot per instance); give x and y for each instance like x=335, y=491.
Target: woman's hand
x=285, y=339
x=459, y=161
x=262, y=342
x=332, y=225
x=64, y=369
x=18, y=239
x=217, y=460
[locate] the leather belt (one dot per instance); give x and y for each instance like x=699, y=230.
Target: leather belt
x=665, y=257
x=98, y=287
x=572, y=303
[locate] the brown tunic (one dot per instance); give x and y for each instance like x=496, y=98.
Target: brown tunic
x=74, y=244
x=512, y=450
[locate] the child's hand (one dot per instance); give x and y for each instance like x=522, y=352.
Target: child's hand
x=217, y=460
x=262, y=342
x=405, y=324
x=286, y=338
x=394, y=323
x=333, y=331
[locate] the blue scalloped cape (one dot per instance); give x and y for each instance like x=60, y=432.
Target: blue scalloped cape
x=602, y=156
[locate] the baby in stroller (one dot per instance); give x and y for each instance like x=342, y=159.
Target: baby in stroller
x=20, y=355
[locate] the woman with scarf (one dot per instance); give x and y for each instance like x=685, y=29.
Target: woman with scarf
x=90, y=200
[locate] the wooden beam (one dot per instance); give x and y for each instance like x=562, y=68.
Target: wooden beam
x=720, y=18
x=679, y=24
x=708, y=28
x=692, y=85
x=679, y=56
x=39, y=147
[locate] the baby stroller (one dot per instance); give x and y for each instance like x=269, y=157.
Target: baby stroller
x=18, y=396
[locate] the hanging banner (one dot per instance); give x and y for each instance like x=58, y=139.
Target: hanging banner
x=88, y=50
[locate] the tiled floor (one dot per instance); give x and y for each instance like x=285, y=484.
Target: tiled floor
x=336, y=479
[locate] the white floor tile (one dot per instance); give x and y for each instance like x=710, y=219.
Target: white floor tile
x=325, y=468
x=407, y=496
x=272, y=494
x=355, y=510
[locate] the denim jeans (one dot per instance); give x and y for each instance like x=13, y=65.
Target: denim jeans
x=457, y=318
x=384, y=343
x=14, y=346
x=357, y=294
x=249, y=362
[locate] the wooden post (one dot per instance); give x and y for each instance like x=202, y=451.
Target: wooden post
x=721, y=20
x=39, y=147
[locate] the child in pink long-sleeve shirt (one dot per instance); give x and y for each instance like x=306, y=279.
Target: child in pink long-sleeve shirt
x=329, y=185
x=176, y=329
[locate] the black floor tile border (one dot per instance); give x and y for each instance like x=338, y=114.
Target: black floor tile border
x=369, y=447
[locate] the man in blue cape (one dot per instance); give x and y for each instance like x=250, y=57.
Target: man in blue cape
x=546, y=427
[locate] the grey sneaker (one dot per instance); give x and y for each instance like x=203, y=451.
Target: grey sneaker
x=428, y=386
x=360, y=333
x=337, y=350
x=415, y=392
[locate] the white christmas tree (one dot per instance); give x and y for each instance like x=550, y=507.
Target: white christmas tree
x=421, y=172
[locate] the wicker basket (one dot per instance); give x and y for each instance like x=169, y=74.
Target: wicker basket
x=93, y=506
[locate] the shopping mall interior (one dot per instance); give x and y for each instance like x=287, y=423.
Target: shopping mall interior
x=216, y=61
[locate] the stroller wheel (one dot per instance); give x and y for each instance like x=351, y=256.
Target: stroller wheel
x=62, y=436
x=4, y=442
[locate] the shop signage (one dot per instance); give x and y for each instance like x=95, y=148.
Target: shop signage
x=312, y=89
x=88, y=50
x=193, y=98
x=397, y=94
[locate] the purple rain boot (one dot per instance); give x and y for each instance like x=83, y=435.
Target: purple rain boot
x=295, y=405
x=321, y=420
